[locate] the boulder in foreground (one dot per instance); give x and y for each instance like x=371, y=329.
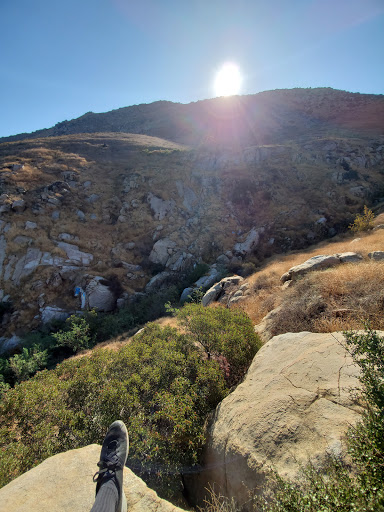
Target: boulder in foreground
x=64, y=482
x=294, y=404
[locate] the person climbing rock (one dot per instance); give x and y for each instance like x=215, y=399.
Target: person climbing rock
x=110, y=495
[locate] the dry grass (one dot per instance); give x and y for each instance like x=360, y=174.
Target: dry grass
x=332, y=300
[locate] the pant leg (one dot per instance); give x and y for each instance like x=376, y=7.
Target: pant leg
x=107, y=498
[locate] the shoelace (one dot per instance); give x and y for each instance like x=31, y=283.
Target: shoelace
x=111, y=463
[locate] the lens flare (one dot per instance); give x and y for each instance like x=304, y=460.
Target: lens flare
x=228, y=80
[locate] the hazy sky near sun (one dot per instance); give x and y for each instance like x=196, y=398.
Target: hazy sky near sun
x=62, y=58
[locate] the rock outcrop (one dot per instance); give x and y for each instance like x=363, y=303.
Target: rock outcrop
x=320, y=262
x=251, y=240
x=219, y=289
x=64, y=482
x=294, y=404
x=376, y=255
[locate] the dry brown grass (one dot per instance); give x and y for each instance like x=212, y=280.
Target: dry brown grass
x=332, y=300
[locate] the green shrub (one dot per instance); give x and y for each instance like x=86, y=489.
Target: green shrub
x=227, y=335
x=28, y=362
x=363, y=222
x=77, y=337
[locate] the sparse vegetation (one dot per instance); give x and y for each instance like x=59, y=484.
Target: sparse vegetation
x=364, y=221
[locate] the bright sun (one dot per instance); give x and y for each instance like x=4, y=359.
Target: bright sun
x=228, y=80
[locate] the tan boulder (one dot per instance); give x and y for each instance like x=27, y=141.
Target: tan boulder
x=319, y=262
x=64, y=482
x=294, y=404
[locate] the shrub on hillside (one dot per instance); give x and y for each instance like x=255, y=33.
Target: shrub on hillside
x=224, y=334
x=364, y=221
x=158, y=384
x=77, y=337
x=28, y=362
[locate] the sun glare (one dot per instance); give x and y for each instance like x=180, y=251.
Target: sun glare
x=228, y=80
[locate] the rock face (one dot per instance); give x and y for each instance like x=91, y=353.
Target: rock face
x=160, y=207
x=294, y=404
x=249, y=243
x=64, y=482
x=74, y=255
x=316, y=263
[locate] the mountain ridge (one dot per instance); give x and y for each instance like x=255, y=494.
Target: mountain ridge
x=262, y=118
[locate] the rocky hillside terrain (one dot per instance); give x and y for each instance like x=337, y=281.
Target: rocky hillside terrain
x=92, y=216
x=301, y=393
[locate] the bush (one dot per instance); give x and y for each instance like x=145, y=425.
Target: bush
x=77, y=337
x=363, y=222
x=28, y=362
x=224, y=334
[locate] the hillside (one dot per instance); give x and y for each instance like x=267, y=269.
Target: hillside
x=113, y=214
x=295, y=398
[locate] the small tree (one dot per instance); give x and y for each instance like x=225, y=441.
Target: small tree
x=28, y=362
x=78, y=336
x=363, y=222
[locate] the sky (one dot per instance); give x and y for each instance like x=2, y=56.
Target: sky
x=62, y=58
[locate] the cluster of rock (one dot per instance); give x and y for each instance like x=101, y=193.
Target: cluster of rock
x=228, y=291
x=120, y=216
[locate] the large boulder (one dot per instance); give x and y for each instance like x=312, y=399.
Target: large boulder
x=99, y=295
x=251, y=241
x=376, y=255
x=18, y=205
x=162, y=250
x=74, y=255
x=9, y=344
x=294, y=403
x=159, y=206
x=50, y=313
x=158, y=281
x=64, y=482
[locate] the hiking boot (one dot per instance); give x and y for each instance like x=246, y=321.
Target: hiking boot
x=113, y=456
